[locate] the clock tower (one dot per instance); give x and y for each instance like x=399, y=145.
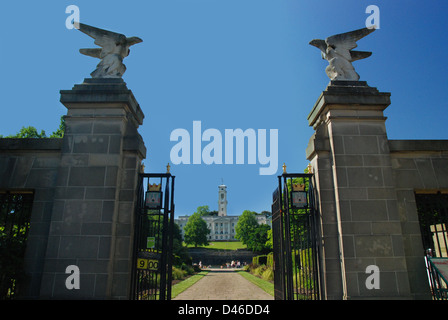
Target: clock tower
x=222, y=201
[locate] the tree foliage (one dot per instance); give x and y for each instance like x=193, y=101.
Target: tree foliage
x=180, y=253
x=203, y=211
x=196, y=231
x=59, y=133
x=32, y=132
x=252, y=234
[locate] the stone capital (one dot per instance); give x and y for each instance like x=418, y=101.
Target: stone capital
x=348, y=95
x=97, y=94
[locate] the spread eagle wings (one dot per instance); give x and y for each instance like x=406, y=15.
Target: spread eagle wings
x=107, y=40
x=344, y=43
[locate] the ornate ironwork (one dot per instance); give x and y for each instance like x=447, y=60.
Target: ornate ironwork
x=153, y=240
x=433, y=218
x=295, y=231
x=15, y=215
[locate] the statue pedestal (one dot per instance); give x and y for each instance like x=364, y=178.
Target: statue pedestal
x=349, y=153
x=93, y=215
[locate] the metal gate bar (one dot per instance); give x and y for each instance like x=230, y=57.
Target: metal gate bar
x=295, y=225
x=153, y=239
x=433, y=219
x=15, y=215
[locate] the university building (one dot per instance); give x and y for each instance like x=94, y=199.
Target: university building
x=222, y=226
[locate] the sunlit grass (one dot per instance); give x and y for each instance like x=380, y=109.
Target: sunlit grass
x=185, y=284
x=223, y=245
x=263, y=284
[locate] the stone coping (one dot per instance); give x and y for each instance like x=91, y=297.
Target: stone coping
x=418, y=145
x=30, y=144
x=349, y=94
x=102, y=93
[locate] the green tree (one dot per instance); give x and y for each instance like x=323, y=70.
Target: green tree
x=247, y=223
x=196, y=231
x=180, y=252
x=203, y=211
x=246, y=226
x=59, y=133
x=250, y=233
x=269, y=242
x=258, y=238
x=27, y=132
x=268, y=214
x=31, y=132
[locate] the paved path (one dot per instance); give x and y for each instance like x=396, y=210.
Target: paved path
x=224, y=284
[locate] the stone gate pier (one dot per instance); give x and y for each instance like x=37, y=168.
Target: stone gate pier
x=92, y=218
x=366, y=198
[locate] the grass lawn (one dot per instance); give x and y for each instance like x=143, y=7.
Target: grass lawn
x=263, y=284
x=223, y=245
x=185, y=284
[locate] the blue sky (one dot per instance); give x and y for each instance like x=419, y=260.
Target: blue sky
x=229, y=64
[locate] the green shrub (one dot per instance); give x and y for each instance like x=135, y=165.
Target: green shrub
x=270, y=259
x=259, y=260
x=188, y=269
x=196, y=268
x=255, y=260
x=178, y=274
x=268, y=274
x=259, y=270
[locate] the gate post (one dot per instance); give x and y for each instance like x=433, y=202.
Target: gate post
x=92, y=224
x=349, y=153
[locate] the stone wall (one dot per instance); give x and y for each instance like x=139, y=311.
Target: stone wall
x=419, y=166
x=32, y=165
x=84, y=193
x=216, y=257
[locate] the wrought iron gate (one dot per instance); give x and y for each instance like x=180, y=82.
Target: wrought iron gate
x=15, y=215
x=295, y=231
x=433, y=218
x=153, y=240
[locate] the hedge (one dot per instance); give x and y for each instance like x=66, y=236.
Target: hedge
x=260, y=260
x=270, y=260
